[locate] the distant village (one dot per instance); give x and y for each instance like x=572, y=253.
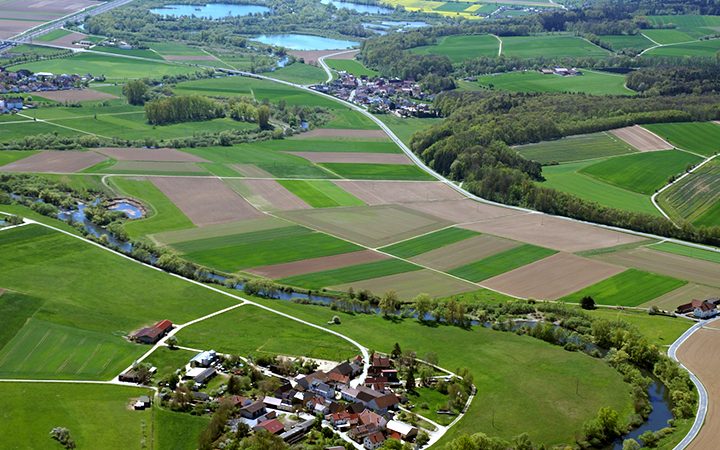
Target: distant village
x=403, y=98
x=364, y=403
x=23, y=82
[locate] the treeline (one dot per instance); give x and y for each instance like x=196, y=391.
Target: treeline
x=682, y=79
x=472, y=145
x=191, y=108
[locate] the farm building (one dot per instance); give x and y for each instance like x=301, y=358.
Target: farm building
x=273, y=426
x=374, y=441
x=701, y=309
x=200, y=375
x=204, y=359
x=403, y=430
x=142, y=403
x=150, y=335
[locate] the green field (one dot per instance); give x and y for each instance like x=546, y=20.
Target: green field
x=461, y=47
x=629, y=288
x=54, y=34
x=550, y=46
x=378, y=171
x=168, y=361
x=351, y=66
x=349, y=145
x=178, y=431
x=693, y=25
x=415, y=246
x=643, y=173
x=135, y=52
x=661, y=330
x=575, y=148
x=570, y=178
x=690, y=252
x=696, y=198
x=300, y=74
x=696, y=137
x=626, y=41
x=79, y=314
x=708, y=49
x=668, y=36
x=350, y=274
x=321, y=194
x=163, y=215
x=404, y=128
x=176, y=49
x=249, y=330
x=278, y=245
x=590, y=82
x=8, y=156
x=501, y=262
x=97, y=416
x=112, y=67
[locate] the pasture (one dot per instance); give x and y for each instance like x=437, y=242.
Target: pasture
x=696, y=198
x=690, y=252
x=696, y=137
x=630, y=288
x=404, y=128
x=97, y=415
x=179, y=431
x=661, y=330
x=8, y=156
x=667, y=36
x=549, y=45
x=300, y=73
x=501, y=262
x=351, y=66
x=626, y=41
x=590, y=82
x=643, y=173
x=321, y=194
x=707, y=49
x=422, y=244
x=360, y=171
x=350, y=274
x=575, y=148
x=408, y=285
x=461, y=47
x=692, y=24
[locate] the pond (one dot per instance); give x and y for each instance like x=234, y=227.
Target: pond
x=304, y=42
x=404, y=24
x=210, y=11
x=78, y=216
x=131, y=211
x=359, y=7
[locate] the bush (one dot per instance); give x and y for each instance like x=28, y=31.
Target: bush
x=587, y=302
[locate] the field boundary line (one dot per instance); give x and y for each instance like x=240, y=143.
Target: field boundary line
x=653, y=198
x=500, y=41
x=63, y=126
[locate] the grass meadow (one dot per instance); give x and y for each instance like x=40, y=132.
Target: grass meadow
x=629, y=288
x=321, y=194
x=431, y=241
x=707, y=49
x=300, y=74
x=343, y=275
x=550, y=45
x=626, y=41
x=590, y=82
x=8, y=156
x=696, y=198
x=575, y=148
x=461, y=47
x=696, y=137
x=501, y=262
x=404, y=128
x=351, y=66
x=691, y=252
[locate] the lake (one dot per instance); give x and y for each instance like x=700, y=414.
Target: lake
x=359, y=7
x=210, y=11
x=304, y=42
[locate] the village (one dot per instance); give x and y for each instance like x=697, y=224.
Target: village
x=403, y=98
x=25, y=81
x=364, y=403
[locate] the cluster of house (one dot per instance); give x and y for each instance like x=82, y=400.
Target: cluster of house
x=562, y=71
x=24, y=81
x=700, y=309
x=386, y=95
x=11, y=105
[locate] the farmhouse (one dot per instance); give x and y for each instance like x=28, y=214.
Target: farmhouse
x=142, y=403
x=273, y=426
x=151, y=335
x=200, y=375
x=403, y=430
x=253, y=410
x=374, y=441
x=701, y=309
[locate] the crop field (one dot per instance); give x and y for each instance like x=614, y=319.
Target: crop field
x=135, y=52
x=97, y=415
x=673, y=299
x=549, y=46
x=428, y=242
x=462, y=47
x=694, y=25
x=643, y=173
x=630, y=288
x=570, y=178
x=683, y=250
x=177, y=430
x=625, y=41
x=378, y=171
x=55, y=161
x=321, y=194
x=318, y=264
x=219, y=230
x=267, y=195
x=162, y=216
x=706, y=49
x=696, y=198
x=351, y=66
x=501, y=262
x=300, y=74
x=79, y=320
x=464, y=252
x=8, y=156
x=575, y=148
x=330, y=144
x=233, y=252
x=350, y=274
x=590, y=82
x=244, y=331
x=16, y=130
x=354, y=158
x=404, y=128
x=392, y=192
x=696, y=137
x=668, y=36
x=150, y=168
x=408, y=285
x=54, y=34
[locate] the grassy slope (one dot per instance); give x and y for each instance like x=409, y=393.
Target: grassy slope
x=695, y=198
x=321, y=194
x=596, y=83
x=549, y=45
x=351, y=274
x=459, y=48
x=351, y=66
x=697, y=137
x=300, y=73
x=575, y=148
x=404, y=128
x=422, y=244
x=620, y=42
x=707, y=49
x=501, y=262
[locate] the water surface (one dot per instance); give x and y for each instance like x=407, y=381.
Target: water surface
x=359, y=7
x=210, y=11
x=304, y=42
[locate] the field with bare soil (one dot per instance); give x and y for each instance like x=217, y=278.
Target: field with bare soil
x=464, y=252
x=147, y=154
x=268, y=195
x=317, y=264
x=360, y=158
x=641, y=139
x=408, y=285
x=387, y=192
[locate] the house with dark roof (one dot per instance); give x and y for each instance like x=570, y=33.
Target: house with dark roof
x=253, y=410
x=273, y=426
x=382, y=404
x=701, y=309
x=151, y=335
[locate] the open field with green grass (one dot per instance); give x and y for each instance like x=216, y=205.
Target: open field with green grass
x=695, y=198
x=134, y=52
x=54, y=34
x=461, y=47
x=168, y=361
x=114, y=68
x=549, y=46
x=336, y=144
x=321, y=194
x=162, y=215
x=378, y=171
x=707, y=49
x=432, y=241
x=179, y=431
x=575, y=148
x=493, y=358
x=245, y=331
x=570, y=178
x=176, y=49
x=590, y=82
x=350, y=274
x=630, y=288
x=231, y=253
x=428, y=402
x=501, y=262
x=300, y=74
x=625, y=41
x=691, y=252
x=351, y=66
x=696, y=137
x=661, y=330
x=692, y=24
x=667, y=36
x=97, y=416
x=643, y=173
x=80, y=314
x=8, y=156
x=404, y=128
x=10, y=131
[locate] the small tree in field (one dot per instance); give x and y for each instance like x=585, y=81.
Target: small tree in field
x=172, y=342
x=587, y=302
x=62, y=435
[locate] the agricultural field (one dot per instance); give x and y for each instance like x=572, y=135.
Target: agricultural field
x=707, y=49
x=696, y=198
x=626, y=41
x=590, y=82
x=53, y=35
x=575, y=148
x=321, y=194
x=697, y=137
x=683, y=250
x=694, y=25
x=351, y=274
x=501, y=262
x=643, y=173
x=462, y=47
x=135, y=53
x=378, y=171
x=300, y=73
x=9, y=156
x=422, y=244
x=405, y=128
x=350, y=66
x=630, y=288
x=549, y=46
